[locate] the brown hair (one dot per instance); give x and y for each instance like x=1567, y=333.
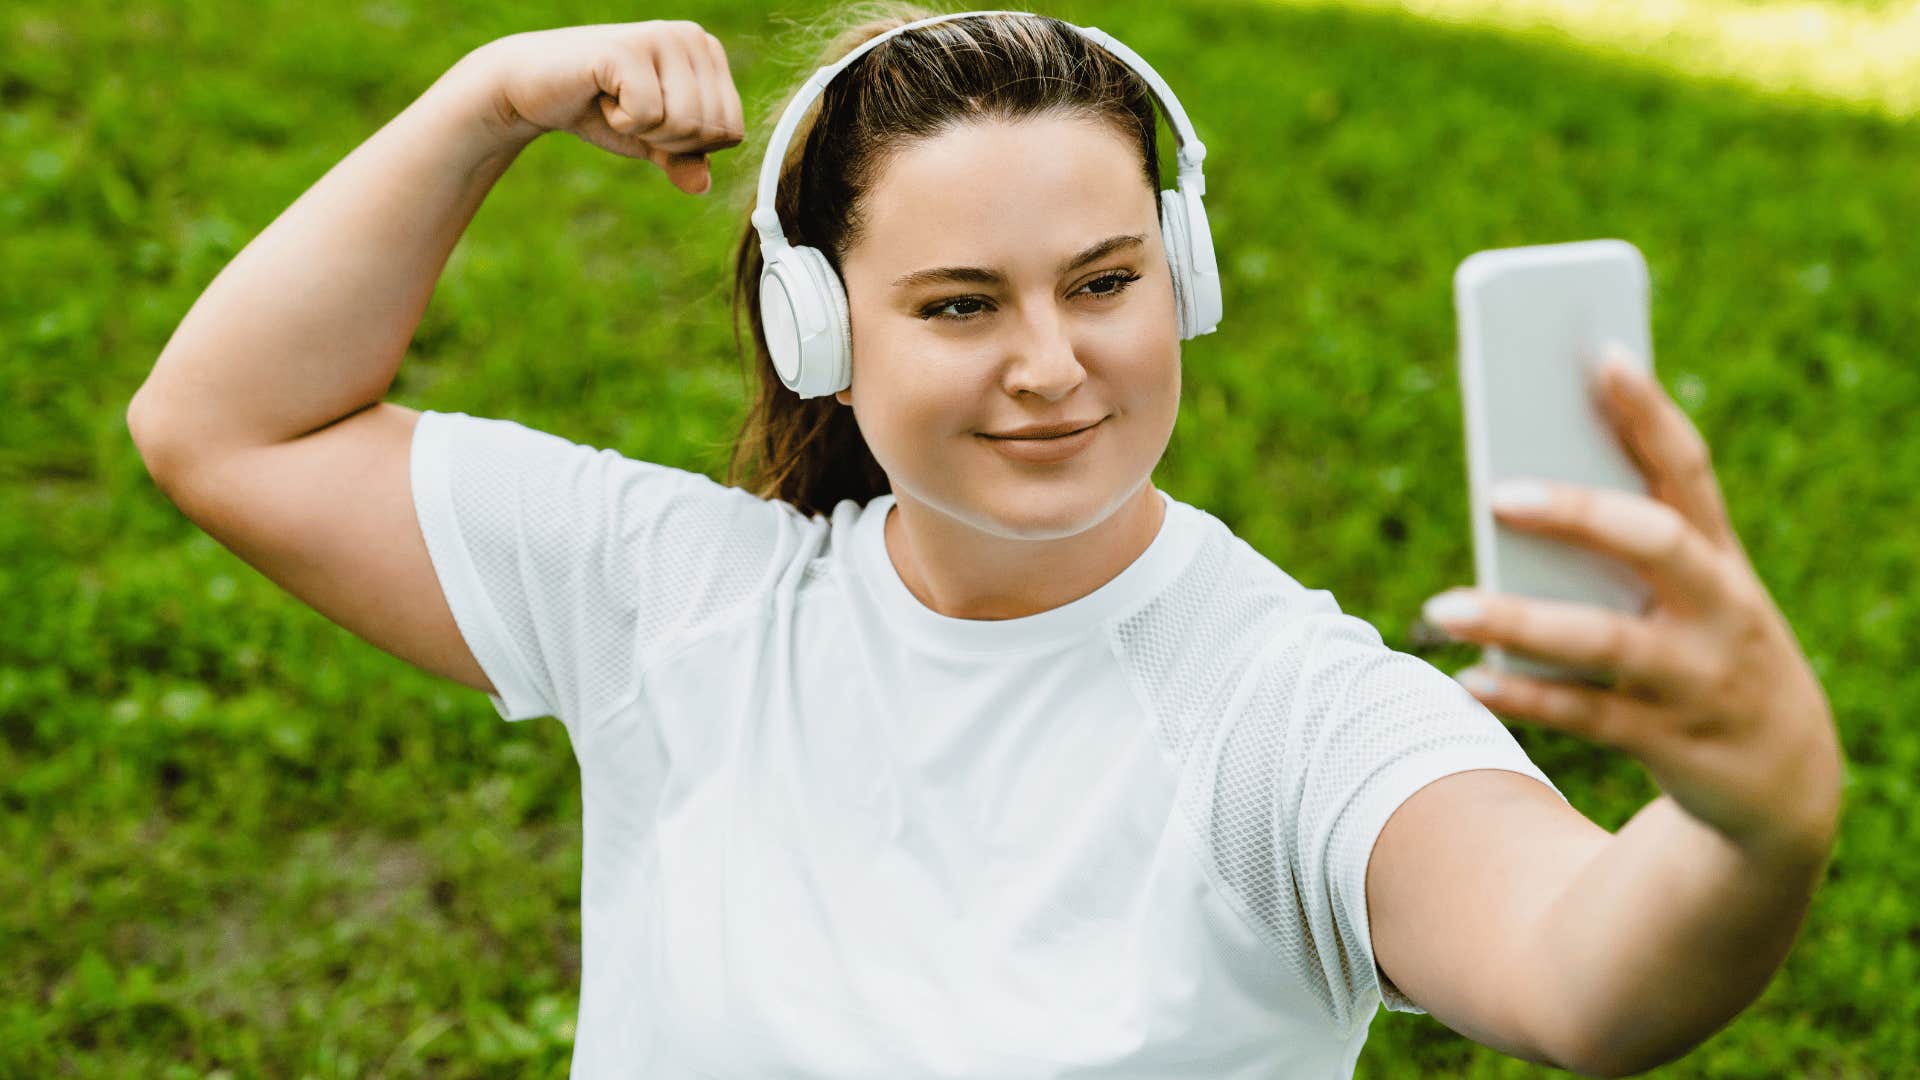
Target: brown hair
x=808, y=451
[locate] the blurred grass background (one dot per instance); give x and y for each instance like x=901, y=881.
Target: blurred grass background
x=240, y=841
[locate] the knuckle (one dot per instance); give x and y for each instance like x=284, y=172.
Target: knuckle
x=1620, y=648
x=1659, y=669
x=1720, y=674
x=1558, y=703
x=658, y=34
x=1696, y=460
x=652, y=111
x=1749, y=591
x=1742, y=592
x=1574, y=504
x=1607, y=723
x=1496, y=613
x=1518, y=694
x=1590, y=511
x=1714, y=674
x=1669, y=533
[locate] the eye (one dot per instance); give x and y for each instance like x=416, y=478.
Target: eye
x=1118, y=280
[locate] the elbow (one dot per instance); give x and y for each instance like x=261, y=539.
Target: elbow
x=142, y=419
x=1600, y=1072
x=1609, y=1072
x=139, y=429
x=1608, y=1063
x=1573, y=1040
x=158, y=451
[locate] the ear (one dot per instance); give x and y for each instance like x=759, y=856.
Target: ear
x=844, y=397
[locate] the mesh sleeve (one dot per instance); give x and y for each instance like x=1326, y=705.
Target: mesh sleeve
x=1297, y=733
x=568, y=567
x=1368, y=727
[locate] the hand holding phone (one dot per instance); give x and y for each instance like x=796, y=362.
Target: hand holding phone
x=1534, y=323
x=1701, y=679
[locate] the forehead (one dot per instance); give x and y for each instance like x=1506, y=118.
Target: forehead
x=1040, y=183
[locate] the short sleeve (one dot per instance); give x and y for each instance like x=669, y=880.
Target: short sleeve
x=1368, y=727
x=1297, y=732
x=568, y=567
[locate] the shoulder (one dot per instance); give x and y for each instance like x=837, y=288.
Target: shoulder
x=479, y=450
x=1230, y=613
x=511, y=486
x=649, y=534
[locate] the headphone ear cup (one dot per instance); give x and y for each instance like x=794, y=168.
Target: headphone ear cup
x=1202, y=278
x=1173, y=236
x=803, y=313
x=830, y=360
x=780, y=319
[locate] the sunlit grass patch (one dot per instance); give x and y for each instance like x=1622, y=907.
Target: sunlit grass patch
x=1861, y=54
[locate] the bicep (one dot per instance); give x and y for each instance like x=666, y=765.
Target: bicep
x=1459, y=875
x=330, y=518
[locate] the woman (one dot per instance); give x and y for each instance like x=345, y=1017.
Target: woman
x=959, y=748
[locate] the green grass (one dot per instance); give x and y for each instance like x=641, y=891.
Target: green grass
x=242, y=842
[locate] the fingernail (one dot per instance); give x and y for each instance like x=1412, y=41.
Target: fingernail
x=1451, y=607
x=1519, y=495
x=1478, y=681
x=1616, y=363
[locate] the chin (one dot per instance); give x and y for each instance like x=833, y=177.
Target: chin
x=1046, y=511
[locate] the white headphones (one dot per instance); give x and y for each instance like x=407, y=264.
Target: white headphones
x=803, y=304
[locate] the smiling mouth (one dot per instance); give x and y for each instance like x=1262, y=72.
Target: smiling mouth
x=1042, y=438
x=1035, y=438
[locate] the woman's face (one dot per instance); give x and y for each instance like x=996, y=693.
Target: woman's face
x=1020, y=337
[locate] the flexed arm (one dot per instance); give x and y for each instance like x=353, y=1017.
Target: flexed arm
x=263, y=420
x=308, y=324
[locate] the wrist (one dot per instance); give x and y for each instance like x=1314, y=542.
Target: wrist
x=1805, y=839
x=472, y=89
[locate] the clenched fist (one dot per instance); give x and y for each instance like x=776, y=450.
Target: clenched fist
x=658, y=90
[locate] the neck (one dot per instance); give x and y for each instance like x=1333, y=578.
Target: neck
x=960, y=572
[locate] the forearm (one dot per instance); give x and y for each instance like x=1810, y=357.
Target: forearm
x=1665, y=936
x=309, y=322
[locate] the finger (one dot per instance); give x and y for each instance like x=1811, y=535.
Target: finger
x=710, y=63
x=732, y=114
x=1607, y=717
x=599, y=131
x=679, y=131
x=632, y=102
x=1578, y=635
x=676, y=144
x=1651, y=537
x=1668, y=447
x=700, y=63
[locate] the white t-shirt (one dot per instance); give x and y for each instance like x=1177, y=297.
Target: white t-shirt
x=830, y=832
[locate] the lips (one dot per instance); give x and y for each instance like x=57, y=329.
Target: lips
x=1045, y=451
x=1045, y=431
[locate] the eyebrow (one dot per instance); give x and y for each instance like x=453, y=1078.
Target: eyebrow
x=979, y=275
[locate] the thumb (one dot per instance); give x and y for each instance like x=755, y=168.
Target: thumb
x=688, y=172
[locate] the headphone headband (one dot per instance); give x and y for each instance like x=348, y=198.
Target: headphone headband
x=803, y=303
x=766, y=220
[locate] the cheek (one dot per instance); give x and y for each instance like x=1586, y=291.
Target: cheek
x=1145, y=368
x=910, y=415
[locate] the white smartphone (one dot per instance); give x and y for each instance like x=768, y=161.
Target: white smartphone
x=1532, y=323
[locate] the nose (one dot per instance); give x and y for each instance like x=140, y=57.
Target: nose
x=1044, y=362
